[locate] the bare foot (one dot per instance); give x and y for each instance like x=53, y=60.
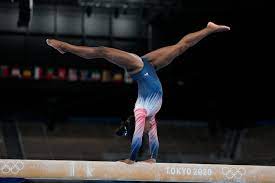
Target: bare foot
x=217, y=28
x=150, y=161
x=56, y=45
x=127, y=161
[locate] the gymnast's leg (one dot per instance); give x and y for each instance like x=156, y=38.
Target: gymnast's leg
x=140, y=120
x=128, y=61
x=164, y=56
x=153, y=141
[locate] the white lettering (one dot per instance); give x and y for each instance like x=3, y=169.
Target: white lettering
x=184, y=171
x=178, y=171
x=209, y=172
x=72, y=169
x=195, y=171
x=204, y=172
x=173, y=171
x=189, y=171
x=167, y=170
x=200, y=172
x=89, y=170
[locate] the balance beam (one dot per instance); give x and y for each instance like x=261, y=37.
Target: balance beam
x=118, y=171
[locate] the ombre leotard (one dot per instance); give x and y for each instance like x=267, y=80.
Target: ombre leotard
x=147, y=106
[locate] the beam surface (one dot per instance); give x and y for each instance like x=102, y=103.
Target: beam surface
x=118, y=171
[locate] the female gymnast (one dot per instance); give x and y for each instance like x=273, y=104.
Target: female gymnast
x=143, y=71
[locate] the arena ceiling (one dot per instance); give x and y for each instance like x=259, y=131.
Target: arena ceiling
x=107, y=3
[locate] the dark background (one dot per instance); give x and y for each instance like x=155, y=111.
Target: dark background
x=226, y=76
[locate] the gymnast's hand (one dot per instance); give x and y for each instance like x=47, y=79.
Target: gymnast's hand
x=127, y=161
x=150, y=161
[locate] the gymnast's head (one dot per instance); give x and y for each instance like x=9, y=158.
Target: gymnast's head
x=127, y=127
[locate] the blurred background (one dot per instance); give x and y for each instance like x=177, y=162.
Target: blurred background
x=218, y=96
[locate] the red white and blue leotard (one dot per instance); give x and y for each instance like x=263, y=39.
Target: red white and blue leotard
x=147, y=106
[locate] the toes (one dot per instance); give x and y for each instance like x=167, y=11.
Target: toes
x=226, y=28
x=48, y=42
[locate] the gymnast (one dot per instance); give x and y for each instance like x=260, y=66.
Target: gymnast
x=143, y=71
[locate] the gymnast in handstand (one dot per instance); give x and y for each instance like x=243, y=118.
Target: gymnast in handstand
x=143, y=71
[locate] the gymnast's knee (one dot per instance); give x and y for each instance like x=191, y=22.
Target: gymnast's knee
x=180, y=48
x=102, y=51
